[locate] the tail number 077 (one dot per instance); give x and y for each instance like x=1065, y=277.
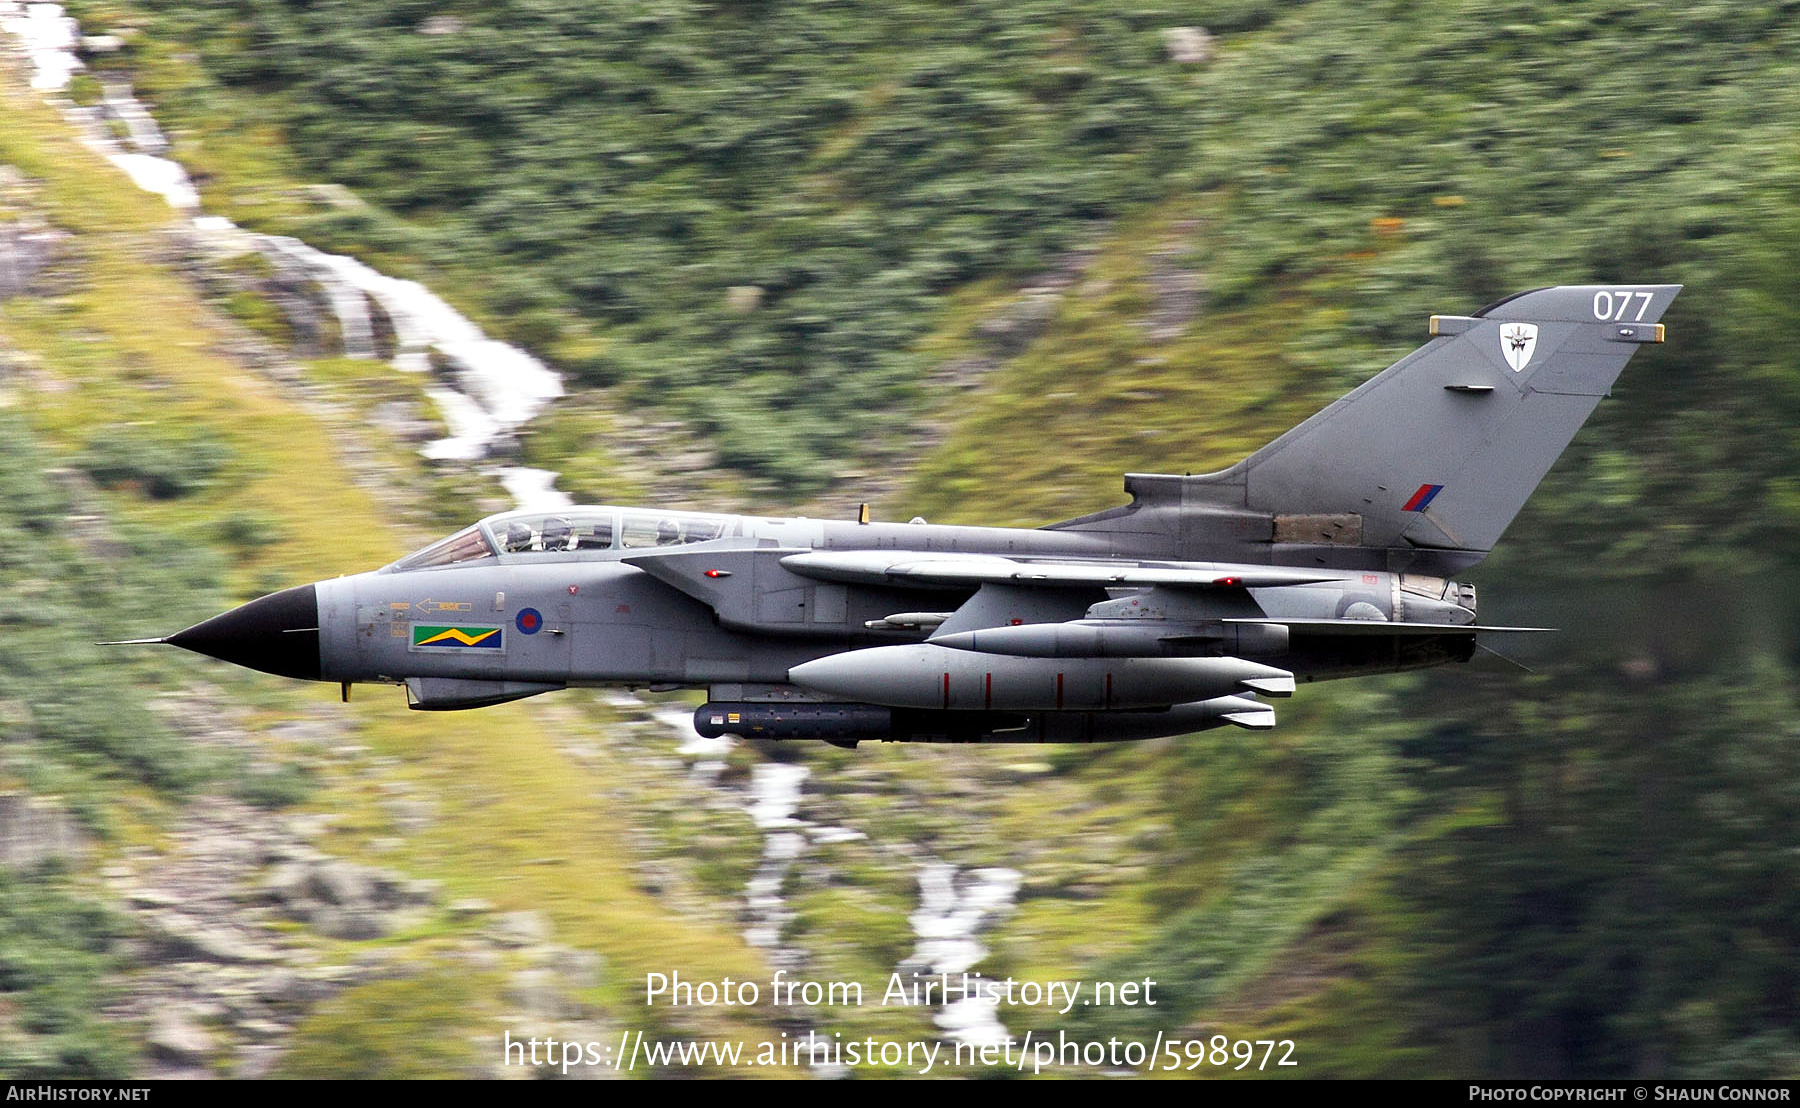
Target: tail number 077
x=1615, y=307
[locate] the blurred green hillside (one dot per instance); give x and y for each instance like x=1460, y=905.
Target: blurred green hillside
x=1004, y=252
x=597, y=178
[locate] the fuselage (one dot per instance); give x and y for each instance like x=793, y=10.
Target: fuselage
x=590, y=618
x=552, y=597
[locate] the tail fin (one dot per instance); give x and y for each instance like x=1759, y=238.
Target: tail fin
x=1425, y=465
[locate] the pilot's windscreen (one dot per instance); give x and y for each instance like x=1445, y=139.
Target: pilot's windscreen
x=464, y=546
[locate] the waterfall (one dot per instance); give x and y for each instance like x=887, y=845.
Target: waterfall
x=489, y=388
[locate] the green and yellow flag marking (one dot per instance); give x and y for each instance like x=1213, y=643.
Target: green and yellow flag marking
x=425, y=637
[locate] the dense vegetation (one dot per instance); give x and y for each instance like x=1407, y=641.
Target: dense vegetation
x=56, y=949
x=773, y=219
x=72, y=728
x=75, y=723
x=744, y=212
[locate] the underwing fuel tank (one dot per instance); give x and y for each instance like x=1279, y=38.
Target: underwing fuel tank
x=927, y=676
x=1119, y=639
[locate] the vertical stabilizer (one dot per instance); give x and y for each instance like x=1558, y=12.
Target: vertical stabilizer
x=1426, y=464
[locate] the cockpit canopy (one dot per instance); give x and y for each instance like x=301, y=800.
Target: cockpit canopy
x=569, y=532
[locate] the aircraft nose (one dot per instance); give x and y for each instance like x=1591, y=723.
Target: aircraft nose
x=278, y=634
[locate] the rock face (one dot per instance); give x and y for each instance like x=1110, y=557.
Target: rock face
x=520, y=929
x=176, y=1039
x=218, y=982
x=344, y=900
x=26, y=253
x=34, y=830
x=743, y=299
x=1177, y=292
x=1188, y=45
x=1011, y=331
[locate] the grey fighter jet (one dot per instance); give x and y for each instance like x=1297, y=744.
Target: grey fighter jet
x=1328, y=553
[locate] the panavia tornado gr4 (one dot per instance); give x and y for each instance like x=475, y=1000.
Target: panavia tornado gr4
x=1328, y=553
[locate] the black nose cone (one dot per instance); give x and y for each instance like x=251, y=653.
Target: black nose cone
x=278, y=634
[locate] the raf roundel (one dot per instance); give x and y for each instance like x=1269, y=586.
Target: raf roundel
x=529, y=621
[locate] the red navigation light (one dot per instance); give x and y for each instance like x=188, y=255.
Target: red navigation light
x=1228, y=582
